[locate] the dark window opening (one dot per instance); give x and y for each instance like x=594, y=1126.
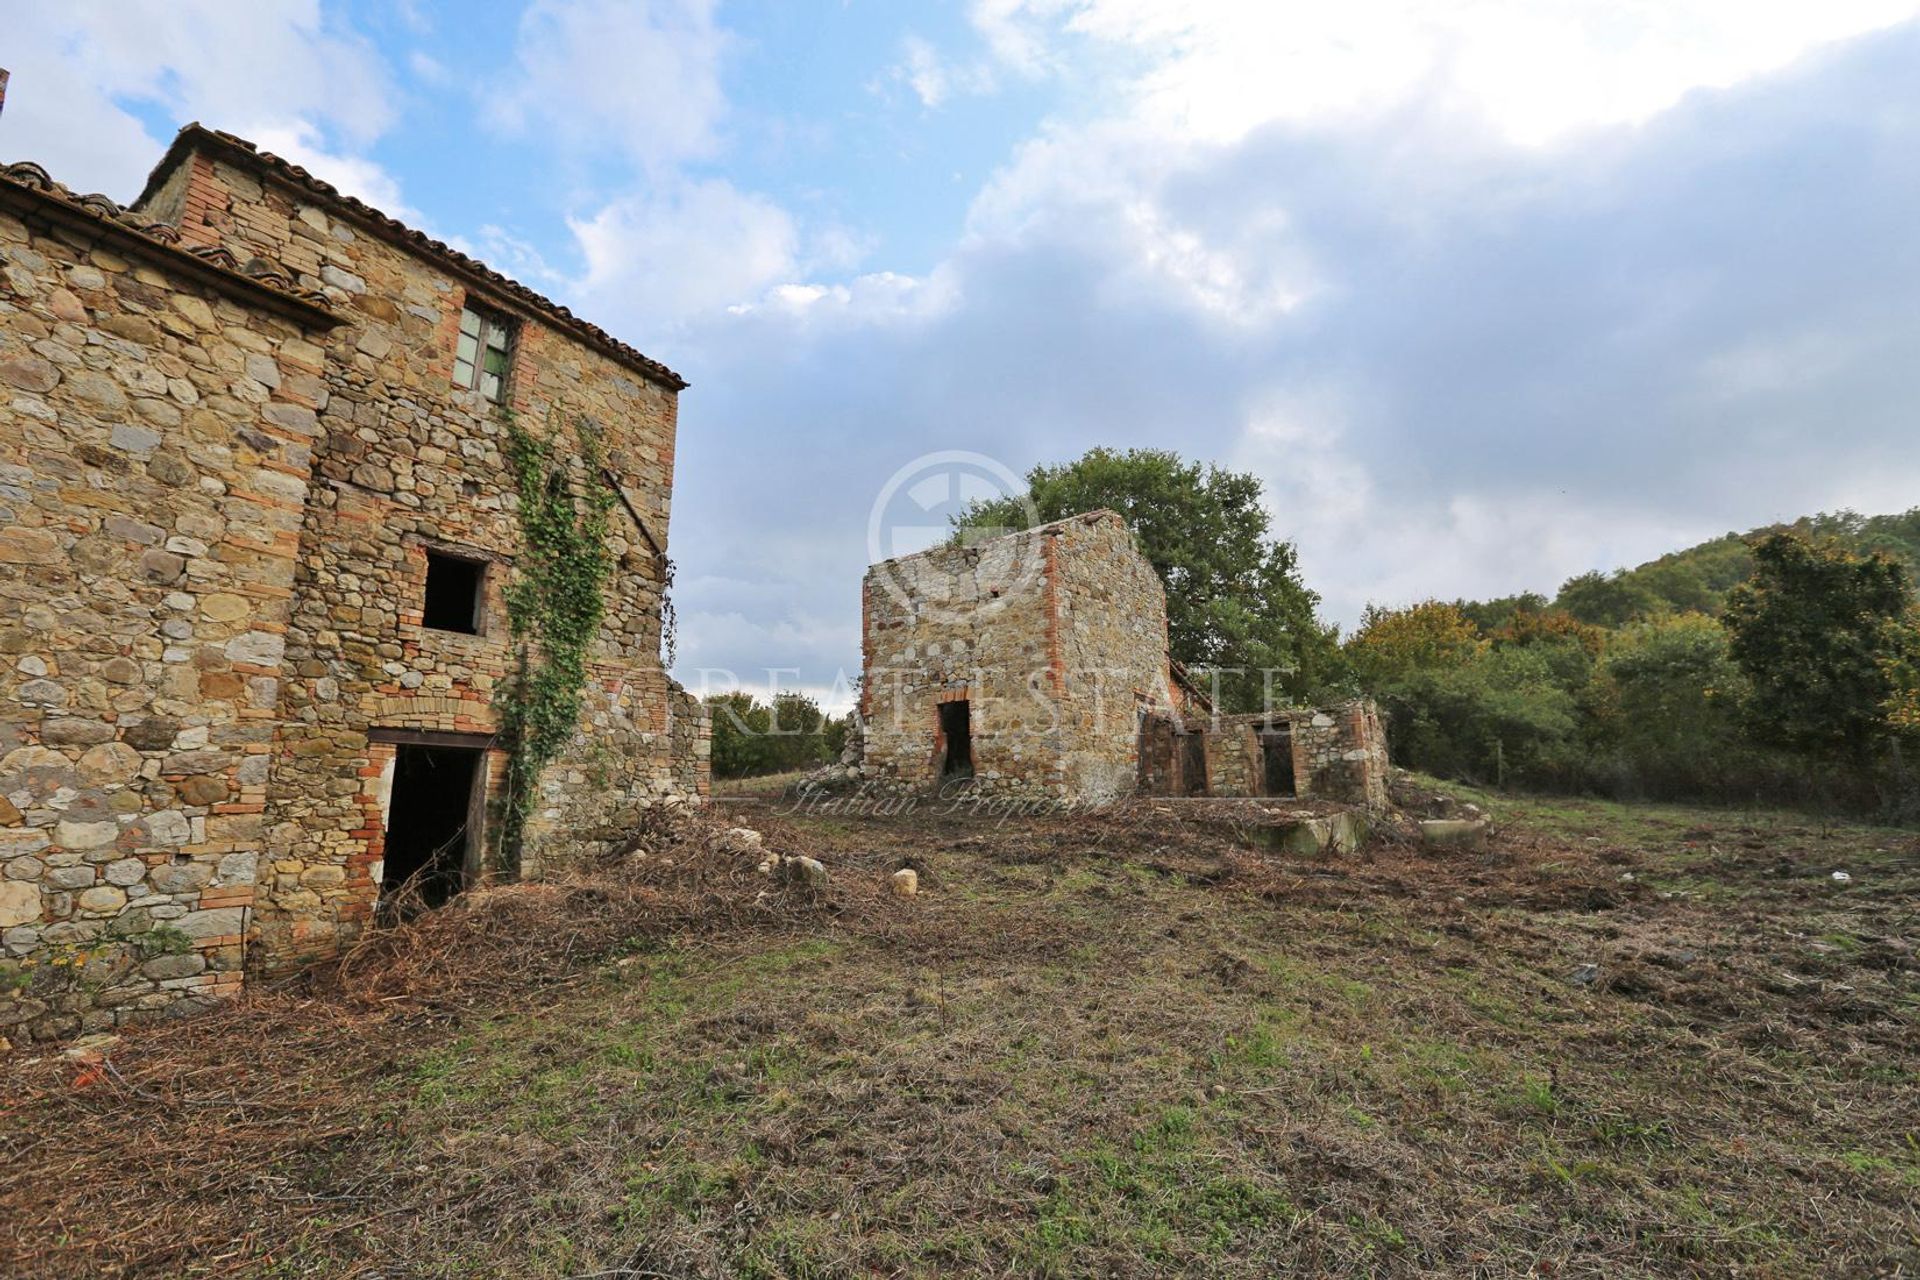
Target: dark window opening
x=480, y=355
x=1193, y=763
x=453, y=601
x=956, y=729
x=432, y=822
x=1276, y=751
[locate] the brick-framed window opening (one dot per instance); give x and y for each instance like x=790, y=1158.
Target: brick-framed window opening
x=480, y=356
x=455, y=595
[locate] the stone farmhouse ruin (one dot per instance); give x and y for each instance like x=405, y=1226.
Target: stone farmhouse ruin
x=257, y=528
x=1036, y=664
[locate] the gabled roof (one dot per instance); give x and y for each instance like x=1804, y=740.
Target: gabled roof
x=197, y=137
x=259, y=280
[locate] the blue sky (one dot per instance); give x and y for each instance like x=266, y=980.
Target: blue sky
x=1488, y=292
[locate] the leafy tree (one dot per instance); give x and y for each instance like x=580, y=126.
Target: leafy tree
x=752, y=737
x=1823, y=634
x=1234, y=594
x=1551, y=627
x=1670, y=703
x=739, y=723
x=1509, y=716
x=1607, y=599
x=1393, y=644
x=1459, y=703
x=1491, y=615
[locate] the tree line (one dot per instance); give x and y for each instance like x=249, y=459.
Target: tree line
x=1782, y=664
x=753, y=737
x=1804, y=686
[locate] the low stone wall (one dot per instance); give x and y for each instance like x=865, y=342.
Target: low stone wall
x=593, y=799
x=1339, y=753
x=1235, y=763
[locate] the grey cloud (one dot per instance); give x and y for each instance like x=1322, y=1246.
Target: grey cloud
x=1536, y=361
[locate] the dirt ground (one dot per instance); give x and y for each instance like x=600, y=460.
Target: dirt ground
x=1621, y=1041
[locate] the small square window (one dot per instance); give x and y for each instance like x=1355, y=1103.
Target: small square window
x=455, y=600
x=480, y=355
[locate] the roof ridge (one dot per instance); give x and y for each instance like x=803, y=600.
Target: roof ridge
x=262, y=271
x=400, y=233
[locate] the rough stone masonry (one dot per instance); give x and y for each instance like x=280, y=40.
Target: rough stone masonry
x=1036, y=665
x=256, y=530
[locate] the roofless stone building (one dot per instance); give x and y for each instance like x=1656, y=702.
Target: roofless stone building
x=257, y=526
x=1036, y=665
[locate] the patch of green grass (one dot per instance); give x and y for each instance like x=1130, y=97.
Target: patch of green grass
x=1535, y=1096
x=1653, y=825
x=759, y=784
x=1298, y=975
x=1162, y=1193
x=1261, y=1047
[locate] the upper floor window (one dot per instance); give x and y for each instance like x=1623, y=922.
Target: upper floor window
x=455, y=596
x=480, y=359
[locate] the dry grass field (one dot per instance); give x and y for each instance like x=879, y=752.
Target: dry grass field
x=1623, y=1041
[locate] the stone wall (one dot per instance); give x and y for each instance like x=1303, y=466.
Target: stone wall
x=410, y=463
x=1112, y=624
x=1236, y=763
x=1055, y=637
x=1339, y=753
x=962, y=622
x=151, y=501
x=229, y=445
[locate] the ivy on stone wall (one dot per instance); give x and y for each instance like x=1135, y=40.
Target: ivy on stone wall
x=554, y=608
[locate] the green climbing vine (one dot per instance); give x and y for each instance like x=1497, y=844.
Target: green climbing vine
x=554, y=608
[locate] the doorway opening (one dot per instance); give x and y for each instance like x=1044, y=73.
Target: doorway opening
x=433, y=821
x=1193, y=763
x=1276, y=752
x=956, y=730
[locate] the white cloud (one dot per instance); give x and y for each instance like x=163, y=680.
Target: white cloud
x=1367, y=538
x=924, y=72
x=1461, y=367
x=1108, y=184
x=635, y=78
x=357, y=176
x=933, y=79
x=876, y=299
x=276, y=67
x=429, y=70
x=682, y=249
x=1016, y=30
x=1218, y=68
x=639, y=82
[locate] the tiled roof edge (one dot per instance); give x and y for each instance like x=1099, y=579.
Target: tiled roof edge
x=400, y=234
x=259, y=277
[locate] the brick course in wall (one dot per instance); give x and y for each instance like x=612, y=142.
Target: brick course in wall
x=228, y=441
x=1056, y=637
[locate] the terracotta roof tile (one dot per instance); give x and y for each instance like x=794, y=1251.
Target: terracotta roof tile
x=260, y=271
x=398, y=233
